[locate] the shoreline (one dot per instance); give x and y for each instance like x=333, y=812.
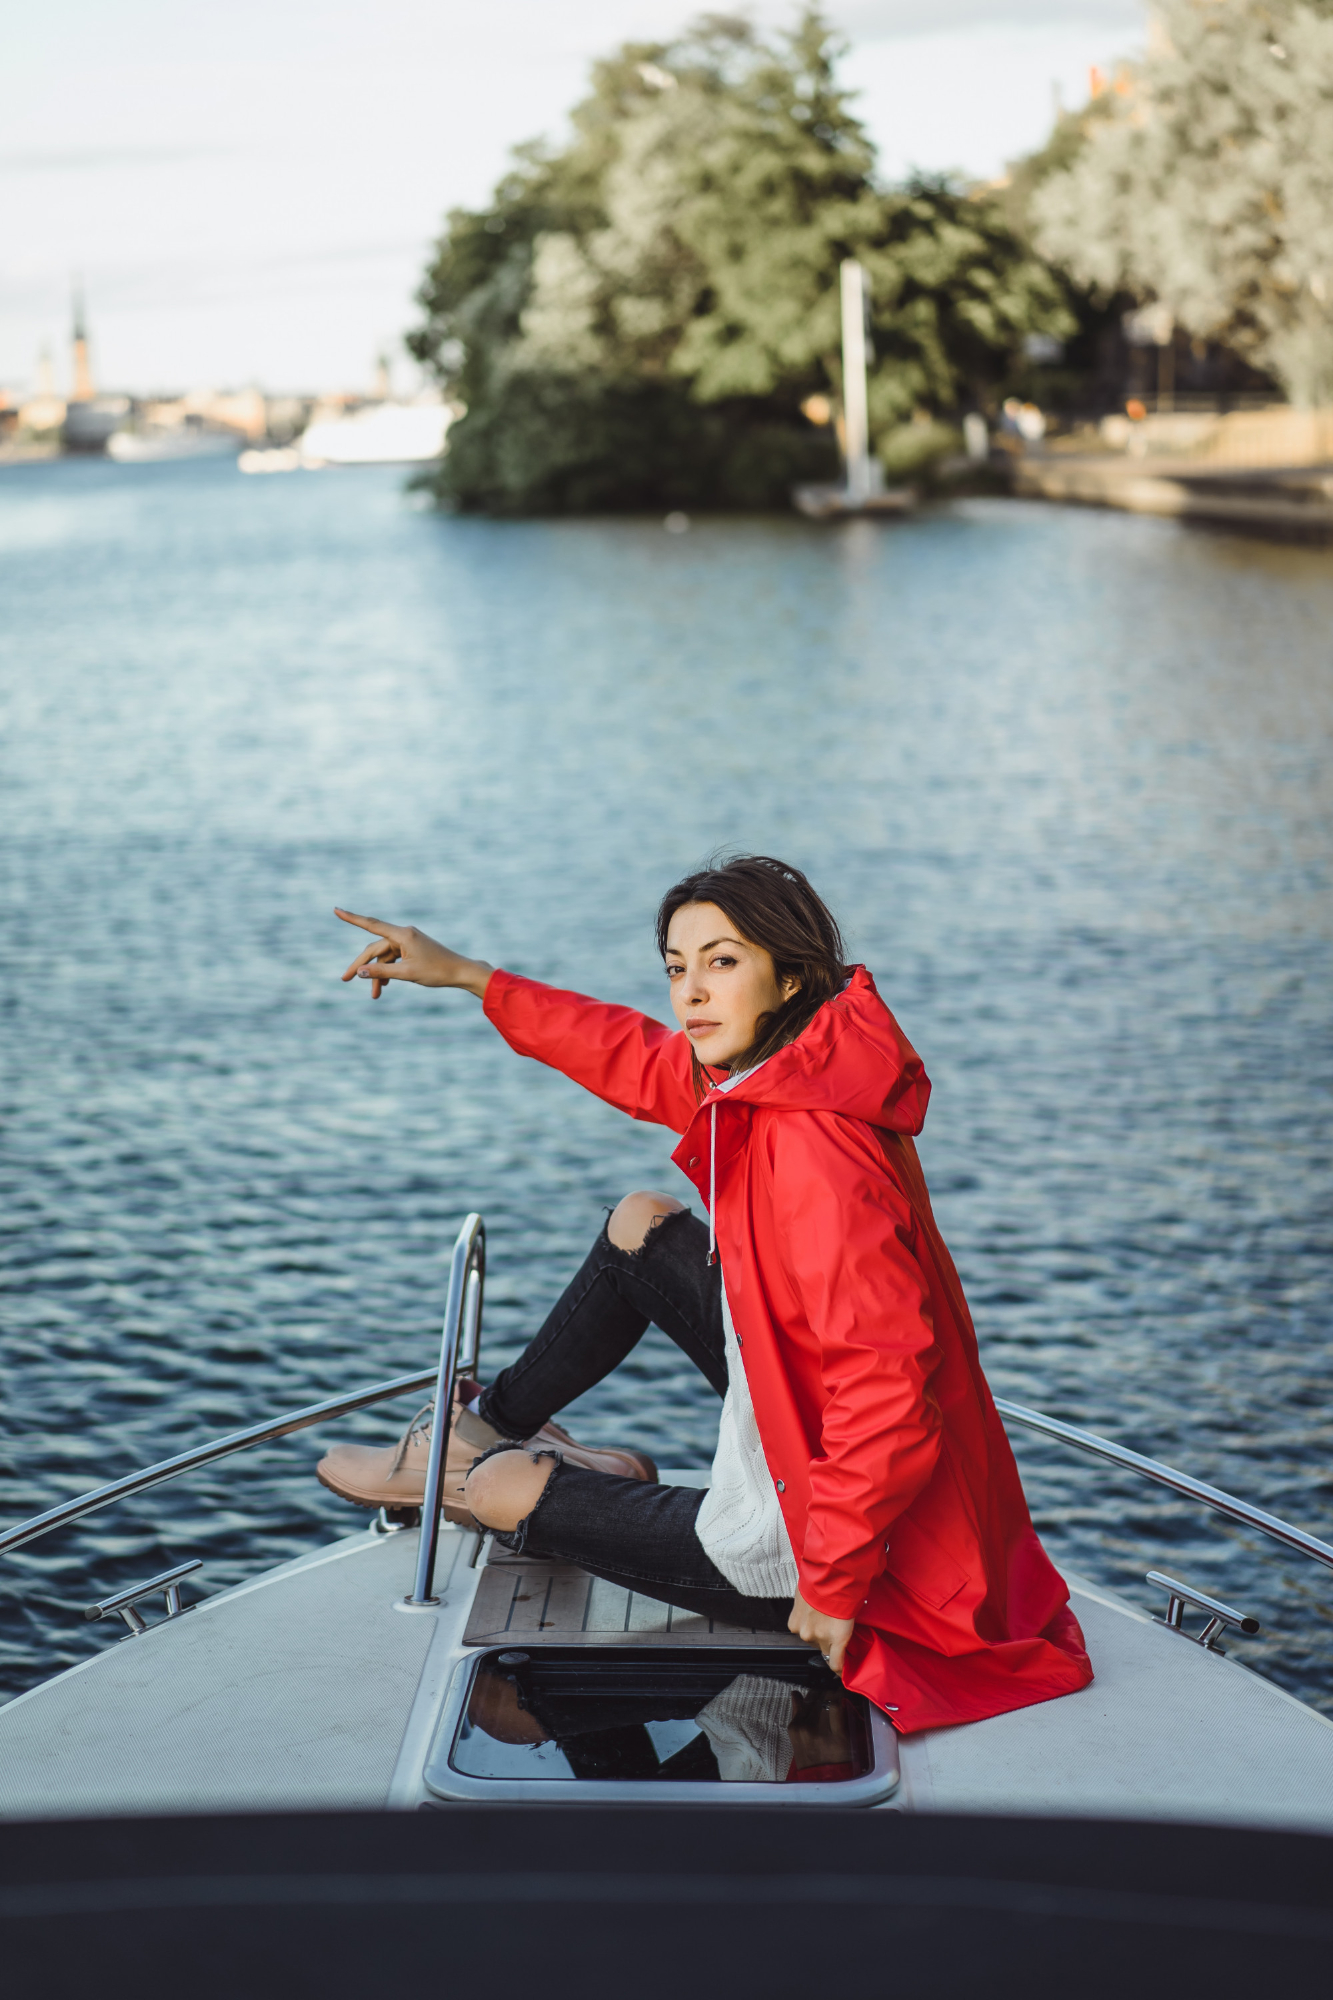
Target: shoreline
x=1287, y=503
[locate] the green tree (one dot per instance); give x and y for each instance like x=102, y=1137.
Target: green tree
x=637, y=318
x=955, y=293
x=1208, y=184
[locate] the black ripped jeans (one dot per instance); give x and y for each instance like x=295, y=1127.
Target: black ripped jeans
x=633, y=1534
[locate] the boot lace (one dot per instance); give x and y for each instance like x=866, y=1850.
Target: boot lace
x=416, y=1429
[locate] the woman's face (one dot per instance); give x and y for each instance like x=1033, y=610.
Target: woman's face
x=721, y=985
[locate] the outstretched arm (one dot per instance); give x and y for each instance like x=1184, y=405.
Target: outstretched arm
x=401, y=951
x=622, y=1056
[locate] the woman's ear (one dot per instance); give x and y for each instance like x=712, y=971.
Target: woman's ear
x=791, y=986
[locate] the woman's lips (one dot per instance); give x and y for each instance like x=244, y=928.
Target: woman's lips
x=701, y=1027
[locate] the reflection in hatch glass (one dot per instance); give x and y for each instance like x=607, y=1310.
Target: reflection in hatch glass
x=776, y=1720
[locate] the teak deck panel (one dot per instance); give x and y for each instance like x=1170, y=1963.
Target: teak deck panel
x=548, y=1602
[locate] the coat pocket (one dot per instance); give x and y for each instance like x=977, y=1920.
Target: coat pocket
x=917, y=1561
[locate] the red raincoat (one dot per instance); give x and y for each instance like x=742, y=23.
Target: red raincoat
x=895, y=1476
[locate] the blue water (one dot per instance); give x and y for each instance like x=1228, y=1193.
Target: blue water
x=1065, y=775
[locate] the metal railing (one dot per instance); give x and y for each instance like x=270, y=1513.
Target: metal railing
x=459, y=1348
x=205, y=1454
x=1166, y=1475
x=459, y=1345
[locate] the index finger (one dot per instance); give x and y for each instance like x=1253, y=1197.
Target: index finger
x=370, y=924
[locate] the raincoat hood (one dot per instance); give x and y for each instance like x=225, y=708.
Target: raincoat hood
x=853, y=1059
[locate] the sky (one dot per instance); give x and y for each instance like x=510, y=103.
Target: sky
x=248, y=193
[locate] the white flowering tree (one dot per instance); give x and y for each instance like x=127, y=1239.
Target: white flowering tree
x=1207, y=184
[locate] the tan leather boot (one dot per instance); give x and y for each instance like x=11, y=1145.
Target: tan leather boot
x=394, y=1475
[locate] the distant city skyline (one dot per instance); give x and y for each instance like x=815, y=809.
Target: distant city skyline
x=251, y=197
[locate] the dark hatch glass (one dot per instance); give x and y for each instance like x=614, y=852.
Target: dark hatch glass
x=720, y=1716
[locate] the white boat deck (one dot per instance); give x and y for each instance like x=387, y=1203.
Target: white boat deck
x=1165, y=1731
x=311, y=1687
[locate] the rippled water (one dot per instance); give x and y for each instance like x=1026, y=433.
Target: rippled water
x=1065, y=775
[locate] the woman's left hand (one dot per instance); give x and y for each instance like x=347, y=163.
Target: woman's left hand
x=829, y=1634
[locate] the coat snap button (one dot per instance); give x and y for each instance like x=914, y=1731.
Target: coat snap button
x=694, y=1159
x=782, y=1486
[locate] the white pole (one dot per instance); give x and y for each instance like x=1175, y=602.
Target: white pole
x=854, y=413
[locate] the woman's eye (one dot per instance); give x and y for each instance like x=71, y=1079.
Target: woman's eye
x=672, y=971
x=721, y=959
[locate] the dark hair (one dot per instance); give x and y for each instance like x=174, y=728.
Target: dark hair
x=772, y=905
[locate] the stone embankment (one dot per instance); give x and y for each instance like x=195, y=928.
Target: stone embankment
x=1259, y=471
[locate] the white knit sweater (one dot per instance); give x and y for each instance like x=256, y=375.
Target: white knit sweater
x=740, y=1523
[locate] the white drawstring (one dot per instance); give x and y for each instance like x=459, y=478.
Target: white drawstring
x=712, y=1184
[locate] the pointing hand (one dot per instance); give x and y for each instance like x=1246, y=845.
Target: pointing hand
x=401, y=951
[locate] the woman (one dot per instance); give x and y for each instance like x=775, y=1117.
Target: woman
x=864, y=1495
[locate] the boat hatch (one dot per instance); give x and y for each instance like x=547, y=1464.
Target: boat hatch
x=714, y=1724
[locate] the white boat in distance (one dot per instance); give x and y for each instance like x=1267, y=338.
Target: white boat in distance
x=156, y=445
x=379, y=434
x=416, y=1664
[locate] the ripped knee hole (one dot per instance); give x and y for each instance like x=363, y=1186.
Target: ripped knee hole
x=634, y=1218
x=502, y=1490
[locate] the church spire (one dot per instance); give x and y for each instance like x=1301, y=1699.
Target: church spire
x=83, y=374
